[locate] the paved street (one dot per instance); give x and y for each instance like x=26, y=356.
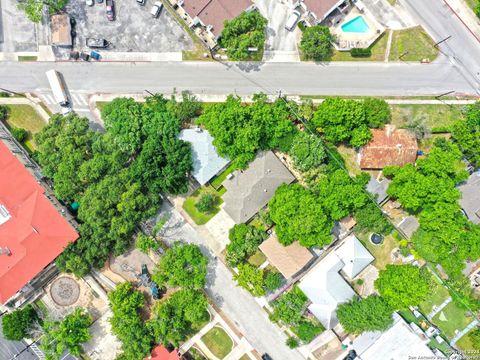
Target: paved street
x=462, y=49
x=237, y=304
x=242, y=78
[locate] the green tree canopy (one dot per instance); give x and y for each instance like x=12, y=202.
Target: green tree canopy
x=299, y=215
x=247, y=30
x=250, y=278
x=244, y=241
x=402, y=286
x=126, y=304
x=377, y=112
x=240, y=130
x=17, y=324
x=307, y=151
x=175, y=319
x=371, y=218
x=67, y=335
x=316, y=43
x=369, y=314
x=289, y=307
x=466, y=133
x=182, y=265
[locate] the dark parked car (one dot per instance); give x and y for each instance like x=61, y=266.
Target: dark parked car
x=110, y=10
x=266, y=357
x=97, y=43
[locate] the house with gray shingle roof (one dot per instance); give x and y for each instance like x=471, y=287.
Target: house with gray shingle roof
x=206, y=161
x=470, y=201
x=250, y=190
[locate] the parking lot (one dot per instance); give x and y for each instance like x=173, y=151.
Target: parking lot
x=134, y=28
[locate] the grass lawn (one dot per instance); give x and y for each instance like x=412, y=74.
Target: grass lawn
x=350, y=156
x=197, y=216
x=438, y=294
x=409, y=317
x=443, y=347
x=378, y=48
x=27, y=58
x=101, y=104
x=244, y=357
x=465, y=344
x=25, y=116
x=257, y=259
x=414, y=43
x=219, y=179
x=380, y=252
x=455, y=320
x=437, y=117
x=218, y=341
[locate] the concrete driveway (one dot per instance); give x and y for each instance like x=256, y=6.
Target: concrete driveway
x=280, y=44
x=134, y=28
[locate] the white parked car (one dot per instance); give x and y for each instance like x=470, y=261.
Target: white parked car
x=89, y=2
x=156, y=8
x=292, y=21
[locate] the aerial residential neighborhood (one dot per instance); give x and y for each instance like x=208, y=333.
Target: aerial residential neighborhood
x=239, y=179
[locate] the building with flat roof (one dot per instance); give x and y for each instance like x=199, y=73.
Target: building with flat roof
x=206, y=161
x=389, y=146
x=289, y=260
x=325, y=284
x=470, y=201
x=397, y=343
x=250, y=190
x=61, y=30
x=32, y=232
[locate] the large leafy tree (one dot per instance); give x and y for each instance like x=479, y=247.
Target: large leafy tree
x=371, y=218
x=244, y=241
x=369, y=314
x=316, y=43
x=251, y=279
x=240, y=130
x=289, y=307
x=342, y=120
x=175, y=318
x=34, y=8
x=299, y=215
x=307, y=151
x=67, y=335
x=126, y=304
x=245, y=31
x=377, y=112
x=466, y=133
x=17, y=324
x=182, y=265
x=402, y=286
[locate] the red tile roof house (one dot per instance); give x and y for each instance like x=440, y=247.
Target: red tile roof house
x=210, y=14
x=32, y=232
x=162, y=353
x=389, y=146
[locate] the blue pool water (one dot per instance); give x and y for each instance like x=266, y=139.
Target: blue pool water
x=356, y=25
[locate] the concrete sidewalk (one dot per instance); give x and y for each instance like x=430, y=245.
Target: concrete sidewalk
x=466, y=15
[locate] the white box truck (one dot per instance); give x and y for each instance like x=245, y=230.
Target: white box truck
x=59, y=92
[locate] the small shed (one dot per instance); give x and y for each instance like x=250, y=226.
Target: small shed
x=61, y=31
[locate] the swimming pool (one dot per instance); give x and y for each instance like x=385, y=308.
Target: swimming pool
x=356, y=25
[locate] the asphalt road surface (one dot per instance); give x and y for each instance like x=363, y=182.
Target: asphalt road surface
x=243, y=78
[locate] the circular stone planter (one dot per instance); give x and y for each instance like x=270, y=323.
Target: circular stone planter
x=65, y=291
x=376, y=239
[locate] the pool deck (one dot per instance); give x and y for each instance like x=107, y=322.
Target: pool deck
x=349, y=40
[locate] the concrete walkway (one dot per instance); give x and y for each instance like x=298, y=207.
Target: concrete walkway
x=28, y=100
x=464, y=331
x=392, y=17
x=437, y=309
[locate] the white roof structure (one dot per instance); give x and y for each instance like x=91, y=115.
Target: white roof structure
x=399, y=342
x=325, y=286
x=206, y=161
x=354, y=256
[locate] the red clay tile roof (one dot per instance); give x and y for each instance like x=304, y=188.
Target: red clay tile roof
x=161, y=353
x=215, y=12
x=322, y=8
x=35, y=233
x=389, y=146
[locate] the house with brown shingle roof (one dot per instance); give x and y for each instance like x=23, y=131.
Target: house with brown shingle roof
x=289, y=260
x=320, y=9
x=206, y=17
x=389, y=146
